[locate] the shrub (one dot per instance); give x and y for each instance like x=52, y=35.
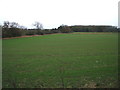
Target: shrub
x=65, y=29
x=11, y=32
x=31, y=32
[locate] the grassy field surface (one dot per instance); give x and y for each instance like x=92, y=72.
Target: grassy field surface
x=61, y=60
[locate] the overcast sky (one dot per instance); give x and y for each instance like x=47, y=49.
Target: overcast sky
x=53, y=13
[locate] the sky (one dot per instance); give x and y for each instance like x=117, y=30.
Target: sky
x=53, y=13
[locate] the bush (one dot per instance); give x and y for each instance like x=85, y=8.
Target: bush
x=47, y=31
x=65, y=29
x=31, y=32
x=11, y=32
x=55, y=31
x=39, y=32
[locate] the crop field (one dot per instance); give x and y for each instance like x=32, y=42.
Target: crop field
x=75, y=60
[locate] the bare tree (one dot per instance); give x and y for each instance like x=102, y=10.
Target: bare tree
x=6, y=24
x=14, y=25
x=38, y=25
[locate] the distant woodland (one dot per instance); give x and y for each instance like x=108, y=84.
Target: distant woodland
x=13, y=29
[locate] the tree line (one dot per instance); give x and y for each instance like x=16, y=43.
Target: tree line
x=13, y=29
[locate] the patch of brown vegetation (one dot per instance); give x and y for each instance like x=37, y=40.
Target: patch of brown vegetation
x=21, y=36
x=28, y=36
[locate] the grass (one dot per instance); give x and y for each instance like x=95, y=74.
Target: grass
x=61, y=60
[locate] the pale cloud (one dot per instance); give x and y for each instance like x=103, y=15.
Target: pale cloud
x=52, y=13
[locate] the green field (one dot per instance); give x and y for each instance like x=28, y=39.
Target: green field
x=76, y=60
